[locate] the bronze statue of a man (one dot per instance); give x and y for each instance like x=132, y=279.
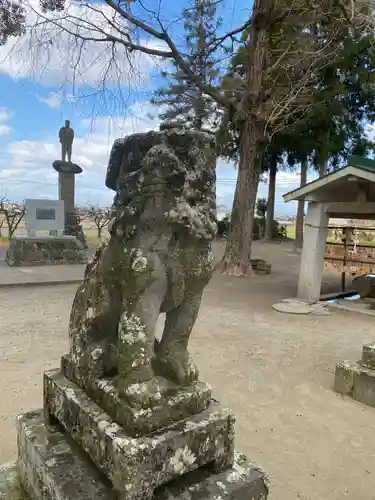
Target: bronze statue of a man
x=66, y=136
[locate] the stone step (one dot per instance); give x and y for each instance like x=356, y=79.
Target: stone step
x=172, y=403
x=355, y=380
x=52, y=467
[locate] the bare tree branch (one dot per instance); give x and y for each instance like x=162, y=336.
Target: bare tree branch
x=13, y=214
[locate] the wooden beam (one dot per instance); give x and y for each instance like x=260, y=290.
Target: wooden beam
x=351, y=209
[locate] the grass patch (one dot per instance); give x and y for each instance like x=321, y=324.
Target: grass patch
x=291, y=231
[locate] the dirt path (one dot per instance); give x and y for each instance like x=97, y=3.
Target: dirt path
x=275, y=371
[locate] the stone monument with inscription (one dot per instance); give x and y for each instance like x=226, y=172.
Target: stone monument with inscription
x=126, y=416
x=37, y=247
x=67, y=172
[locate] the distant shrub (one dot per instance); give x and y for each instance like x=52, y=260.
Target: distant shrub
x=278, y=231
x=223, y=227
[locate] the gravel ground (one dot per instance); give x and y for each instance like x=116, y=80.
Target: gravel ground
x=275, y=371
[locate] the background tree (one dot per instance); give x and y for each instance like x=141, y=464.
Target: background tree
x=99, y=216
x=282, y=61
x=261, y=210
x=342, y=99
x=12, y=19
x=182, y=99
x=343, y=103
x=13, y=214
x=273, y=159
x=261, y=207
x=2, y=222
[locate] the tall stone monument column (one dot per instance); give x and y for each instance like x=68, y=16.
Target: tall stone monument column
x=67, y=172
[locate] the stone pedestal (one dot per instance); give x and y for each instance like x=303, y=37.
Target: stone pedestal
x=45, y=250
x=75, y=450
x=51, y=467
x=67, y=172
x=357, y=378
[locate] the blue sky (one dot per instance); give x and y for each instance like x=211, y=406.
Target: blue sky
x=39, y=89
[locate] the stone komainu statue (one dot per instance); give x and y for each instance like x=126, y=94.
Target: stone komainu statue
x=158, y=259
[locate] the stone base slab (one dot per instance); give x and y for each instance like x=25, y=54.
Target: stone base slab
x=51, y=467
x=45, y=250
x=174, y=403
x=10, y=486
x=136, y=466
x=355, y=380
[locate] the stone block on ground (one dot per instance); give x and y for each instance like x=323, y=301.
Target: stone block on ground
x=45, y=250
x=356, y=379
x=50, y=466
x=365, y=285
x=260, y=266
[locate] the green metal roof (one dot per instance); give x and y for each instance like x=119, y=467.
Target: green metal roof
x=363, y=168
x=361, y=162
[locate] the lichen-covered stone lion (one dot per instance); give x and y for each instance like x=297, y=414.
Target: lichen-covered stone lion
x=158, y=259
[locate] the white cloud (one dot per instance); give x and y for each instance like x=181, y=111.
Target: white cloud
x=5, y=130
x=5, y=115
x=52, y=56
x=53, y=100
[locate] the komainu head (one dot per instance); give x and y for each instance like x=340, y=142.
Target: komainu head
x=166, y=176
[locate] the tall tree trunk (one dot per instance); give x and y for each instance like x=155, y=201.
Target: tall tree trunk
x=200, y=103
x=271, y=198
x=250, y=114
x=298, y=243
x=323, y=163
x=236, y=260
x=322, y=169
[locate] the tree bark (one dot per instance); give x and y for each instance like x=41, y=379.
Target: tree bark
x=250, y=115
x=323, y=168
x=298, y=243
x=323, y=165
x=236, y=260
x=271, y=199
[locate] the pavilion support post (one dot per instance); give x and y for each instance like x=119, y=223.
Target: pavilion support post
x=312, y=258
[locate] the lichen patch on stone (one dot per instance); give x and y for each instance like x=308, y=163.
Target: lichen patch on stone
x=182, y=460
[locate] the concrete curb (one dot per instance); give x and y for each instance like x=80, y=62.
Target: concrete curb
x=41, y=283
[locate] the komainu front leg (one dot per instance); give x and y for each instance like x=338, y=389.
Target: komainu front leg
x=172, y=359
x=136, y=333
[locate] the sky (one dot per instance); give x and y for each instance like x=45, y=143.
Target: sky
x=42, y=85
